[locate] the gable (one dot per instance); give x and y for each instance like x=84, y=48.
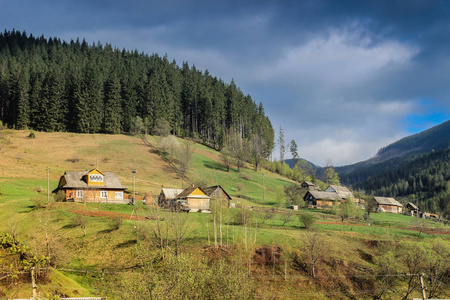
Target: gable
x=95, y=177
x=197, y=192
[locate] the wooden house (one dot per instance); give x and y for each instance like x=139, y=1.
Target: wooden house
x=318, y=199
x=387, y=204
x=342, y=191
x=167, y=196
x=218, y=193
x=195, y=197
x=308, y=185
x=91, y=186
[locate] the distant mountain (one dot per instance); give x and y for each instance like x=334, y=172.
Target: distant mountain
x=425, y=180
x=397, y=154
x=303, y=162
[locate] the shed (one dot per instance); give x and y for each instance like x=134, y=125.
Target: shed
x=308, y=185
x=167, y=196
x=388, y=204
x=219, y=193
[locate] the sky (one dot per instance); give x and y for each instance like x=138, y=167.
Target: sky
x=342, y=78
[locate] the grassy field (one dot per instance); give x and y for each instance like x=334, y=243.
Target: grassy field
x=23, y=188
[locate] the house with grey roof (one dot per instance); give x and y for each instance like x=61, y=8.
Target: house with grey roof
x=319, y=199
x=91, y=186
x=342, y=191
x=388, y=204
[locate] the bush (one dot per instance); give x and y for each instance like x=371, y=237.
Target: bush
x=115, y=223
x=39, y=202
x=32, y=135
x=307, y=220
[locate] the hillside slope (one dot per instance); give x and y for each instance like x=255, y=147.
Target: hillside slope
x=397, y=154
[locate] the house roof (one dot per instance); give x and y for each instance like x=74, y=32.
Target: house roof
x=341, y=190
x=171, y=193
x=387, y=201
x=74, y=179
x=412, y=205
x=324, y=195
x=189, y=193
x=212, y=189
x=308, y=182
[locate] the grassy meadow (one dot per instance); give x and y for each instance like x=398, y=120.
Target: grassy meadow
x=114, y=241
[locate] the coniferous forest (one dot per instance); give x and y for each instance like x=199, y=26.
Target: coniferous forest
x=425, y=180
x=53, y=85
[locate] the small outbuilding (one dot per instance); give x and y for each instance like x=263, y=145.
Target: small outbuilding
x=388, y=204
x=217, y=192
x=413, y=210
x=308, y=185
x=167, y=196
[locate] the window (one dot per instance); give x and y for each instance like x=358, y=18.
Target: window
x=103, y=194
x=79, y=193
x=119, y=195
x=95, y=178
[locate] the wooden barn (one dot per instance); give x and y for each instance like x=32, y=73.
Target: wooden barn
x=387, y=204
x=218, y=193
x=413, y=210
x=91, y=186
x=318, y=199
x=167, y=196
x=195, y=197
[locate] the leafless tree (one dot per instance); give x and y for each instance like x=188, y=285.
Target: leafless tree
x=185, y=157
x=314, y=249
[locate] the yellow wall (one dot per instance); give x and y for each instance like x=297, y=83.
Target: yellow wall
x=95, y=172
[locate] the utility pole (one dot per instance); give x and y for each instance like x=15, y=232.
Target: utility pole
x=264, y=191
x=134, y=186
x=33, y=284
x=422, y=285
x=48, y=185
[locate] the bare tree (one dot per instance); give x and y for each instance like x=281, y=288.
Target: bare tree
x=287, y=217
x=185, y=157
x=314, y=249
x=169, y=145
x=257, y=149
x=226, y=157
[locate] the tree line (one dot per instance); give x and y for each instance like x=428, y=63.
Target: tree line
x=54, y=85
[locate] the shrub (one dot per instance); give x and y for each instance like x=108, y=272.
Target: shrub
x=39, y=202
x=32, y=135
x=115, y=223
x=307, y=220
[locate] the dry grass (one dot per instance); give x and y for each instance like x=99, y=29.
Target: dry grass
x=115, y=153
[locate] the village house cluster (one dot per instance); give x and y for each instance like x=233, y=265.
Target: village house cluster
x=105, y=187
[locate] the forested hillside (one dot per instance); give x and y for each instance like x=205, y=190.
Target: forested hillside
x=53, y=85
x=426, y=180
x=396, y=154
